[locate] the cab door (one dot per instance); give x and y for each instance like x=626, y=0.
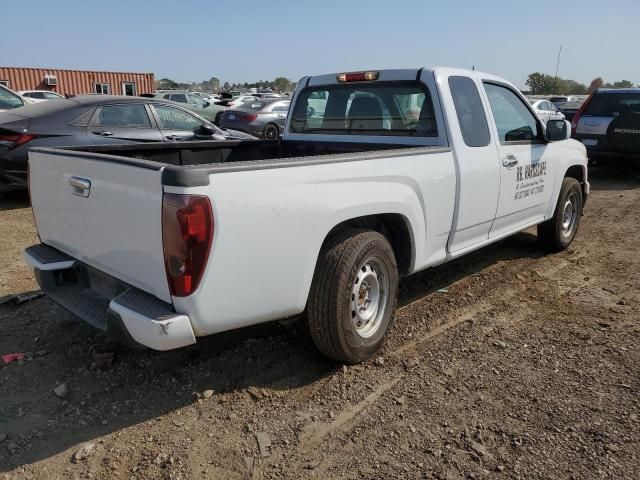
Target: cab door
x=478, y=171
x=527, y=169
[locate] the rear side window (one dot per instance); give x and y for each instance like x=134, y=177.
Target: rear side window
x=179, y=97
x=399, y=109
x=470, y=112
x=514, y=121
x=612, y=104
x=128, y=116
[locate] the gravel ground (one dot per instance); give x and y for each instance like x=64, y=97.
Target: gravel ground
x=507, y=363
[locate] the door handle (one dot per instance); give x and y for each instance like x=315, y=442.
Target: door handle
x=172, y=137
x=81, y=186
x=509, y=161
x=103, y=134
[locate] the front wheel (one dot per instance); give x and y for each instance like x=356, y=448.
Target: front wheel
x=557, y=233
x=353, y=296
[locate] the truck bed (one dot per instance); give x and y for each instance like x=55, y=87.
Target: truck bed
x=196, y=160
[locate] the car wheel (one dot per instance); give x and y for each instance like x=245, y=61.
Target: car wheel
x=557, y=233
x=353, y=296
x=271, y=132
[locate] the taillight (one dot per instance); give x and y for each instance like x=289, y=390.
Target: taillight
x=187, y=233
x=14, y=140
x=249, y=117
x=576, y=117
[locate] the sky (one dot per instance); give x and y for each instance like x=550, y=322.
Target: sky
x=247, y=41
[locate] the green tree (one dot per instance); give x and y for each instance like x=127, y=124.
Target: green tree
x=226, y=86
x=282, y=84
x=623, y=84
x=540, y=83
x=165, y=83
x=214, y=83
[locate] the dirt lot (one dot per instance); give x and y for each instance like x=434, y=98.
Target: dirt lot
x=524, y=366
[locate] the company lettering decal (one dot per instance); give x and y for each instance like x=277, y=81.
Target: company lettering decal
x=626, y=130
x=530, y=180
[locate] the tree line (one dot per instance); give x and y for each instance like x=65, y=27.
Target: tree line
x=280, y=84
x=544, y=84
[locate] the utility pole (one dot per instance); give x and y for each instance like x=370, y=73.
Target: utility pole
x=555, y=79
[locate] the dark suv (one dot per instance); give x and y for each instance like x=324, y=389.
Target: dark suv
x=608, y=123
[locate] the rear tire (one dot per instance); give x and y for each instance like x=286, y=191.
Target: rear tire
x=271, y=132
x=353, y=296
x=557, y=233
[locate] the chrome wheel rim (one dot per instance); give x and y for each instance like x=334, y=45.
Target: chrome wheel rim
x=569, y=214
x=369, y=297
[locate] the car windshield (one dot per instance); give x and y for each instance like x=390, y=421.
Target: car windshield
x=365, y=109
x=45, y=108
x=254, y=104
x=613, y=104
x=9, y=100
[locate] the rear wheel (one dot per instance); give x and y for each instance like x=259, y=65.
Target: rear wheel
x=271, y=132
x=557, y=233
x=353, y=296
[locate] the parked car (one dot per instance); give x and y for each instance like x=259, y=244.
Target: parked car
x=561, y=100
x=263, y=118
x=324, y=221
x=608, y=123
x=570, y=109
x=95, y=119
x=546, y=110
x=10, y=99
x=37, y=96
x=195, y=103
x=239, y=100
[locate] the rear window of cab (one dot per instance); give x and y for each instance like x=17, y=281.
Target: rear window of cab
x=367, y=108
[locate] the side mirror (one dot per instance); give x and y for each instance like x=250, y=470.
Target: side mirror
x=207, y=129
x=206, y=104
x=558, y=130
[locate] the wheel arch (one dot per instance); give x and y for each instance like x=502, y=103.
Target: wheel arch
x=573, y=170
x=579, y=172
x=394, y=226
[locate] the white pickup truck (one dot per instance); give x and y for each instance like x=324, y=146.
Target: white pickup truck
x=380, y=174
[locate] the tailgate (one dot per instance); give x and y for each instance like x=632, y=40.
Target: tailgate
x=104, y=211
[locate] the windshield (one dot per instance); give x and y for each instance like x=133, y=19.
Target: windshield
x=9, y=100
x=253, y=104
x=398, y=109
x=613, y=104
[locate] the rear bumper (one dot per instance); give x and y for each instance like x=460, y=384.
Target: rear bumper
x=601, y=150
x=124, y=312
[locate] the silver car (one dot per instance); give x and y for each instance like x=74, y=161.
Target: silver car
x=546, y=110
x=264, y=118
